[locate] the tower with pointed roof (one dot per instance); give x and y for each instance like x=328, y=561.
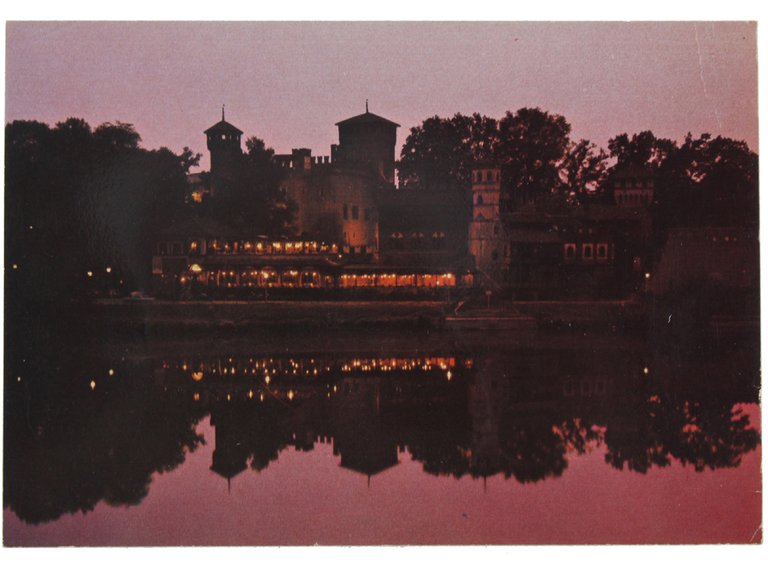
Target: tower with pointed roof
x=367, y=140
x=224, y=145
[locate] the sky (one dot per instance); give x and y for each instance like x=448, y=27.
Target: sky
x=290, y=82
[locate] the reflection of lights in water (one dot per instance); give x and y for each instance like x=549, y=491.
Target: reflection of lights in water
x=197, y=397
x=267, y=379
x=261, y=397
x=291, y=395
x=250, y=394
x=109, y=269
x=89, y=273
x=449, y=375
x=229, y=397
x=93, y=385
x=335, y=388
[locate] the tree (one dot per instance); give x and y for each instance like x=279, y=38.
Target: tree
x=703, y=181
x=253, y=200
x=532, y=144
x=441, y=153
x=81, y=200
x=583, y=170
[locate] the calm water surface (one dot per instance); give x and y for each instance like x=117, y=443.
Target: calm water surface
x=390, y=438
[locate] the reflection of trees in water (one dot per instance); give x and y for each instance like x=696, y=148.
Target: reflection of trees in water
x=711, y=434
x=68, y=447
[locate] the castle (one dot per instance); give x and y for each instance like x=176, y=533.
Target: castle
x=355, y=230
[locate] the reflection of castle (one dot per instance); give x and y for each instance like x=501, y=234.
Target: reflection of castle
x=512, y=414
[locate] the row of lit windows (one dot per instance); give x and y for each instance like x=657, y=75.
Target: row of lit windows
x=291, y=278
x=394, y=280
x=216, y=247
x=589, y=251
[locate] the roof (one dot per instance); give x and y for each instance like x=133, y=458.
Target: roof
x=366, y=118
x=223, y=127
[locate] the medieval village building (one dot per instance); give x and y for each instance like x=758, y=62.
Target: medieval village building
x=355, y=231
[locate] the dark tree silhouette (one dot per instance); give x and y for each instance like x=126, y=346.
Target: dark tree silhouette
x=79, y=201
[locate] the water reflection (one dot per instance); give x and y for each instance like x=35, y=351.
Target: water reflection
x=84, y=427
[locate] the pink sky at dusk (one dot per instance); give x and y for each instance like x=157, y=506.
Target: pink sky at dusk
x=288, y=83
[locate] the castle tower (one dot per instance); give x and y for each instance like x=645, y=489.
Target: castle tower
x=224, y=145
x=368, y=140
x=486, y=232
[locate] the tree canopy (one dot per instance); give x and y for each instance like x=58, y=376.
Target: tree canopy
x=701, y=181
x=80, y=201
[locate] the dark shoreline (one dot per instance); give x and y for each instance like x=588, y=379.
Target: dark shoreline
x=152, y=316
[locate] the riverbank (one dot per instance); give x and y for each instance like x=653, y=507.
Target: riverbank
x=153, y=316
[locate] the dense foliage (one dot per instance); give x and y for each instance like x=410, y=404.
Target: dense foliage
x=701, y=181
x=82, y=205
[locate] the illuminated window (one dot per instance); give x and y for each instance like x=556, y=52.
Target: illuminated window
x=569, y=251
x=587, y=251
x=602, y=251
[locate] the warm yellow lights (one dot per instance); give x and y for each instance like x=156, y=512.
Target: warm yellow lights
x=108, y=269
x=89, y=273
x=195, y=268
x=646, y=371
x=93, y=384
x=197, y=375
x=111, y=372
x=291, y=395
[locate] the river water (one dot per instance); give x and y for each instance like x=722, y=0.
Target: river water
x=391, y=437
